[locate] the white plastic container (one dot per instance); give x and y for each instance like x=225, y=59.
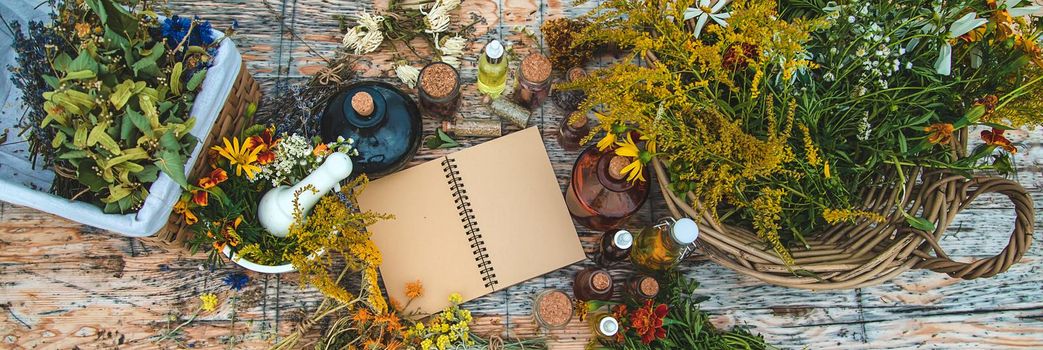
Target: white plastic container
x=23, y=185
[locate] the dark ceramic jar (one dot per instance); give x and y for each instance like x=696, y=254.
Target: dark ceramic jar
x=387, y=134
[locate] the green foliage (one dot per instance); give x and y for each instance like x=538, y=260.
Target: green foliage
x=118, y=107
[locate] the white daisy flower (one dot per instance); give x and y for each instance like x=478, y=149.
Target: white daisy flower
x=705, y=13
x=453, y=46
x=407, y=74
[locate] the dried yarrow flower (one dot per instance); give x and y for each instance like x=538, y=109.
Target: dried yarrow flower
x=559, y=36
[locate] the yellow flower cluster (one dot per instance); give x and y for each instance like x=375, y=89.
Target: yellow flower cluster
x=768, y=206
x=834, y=216
x=451, y=327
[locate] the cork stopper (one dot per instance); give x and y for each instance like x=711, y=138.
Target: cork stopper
x=601, y=281
x=577, y=120
x=576, y=73
x=535, y=67
x=649, y=286
x=362, y=103
x=616, y=165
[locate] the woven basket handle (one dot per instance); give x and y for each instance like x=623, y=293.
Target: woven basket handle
x=1020, y=238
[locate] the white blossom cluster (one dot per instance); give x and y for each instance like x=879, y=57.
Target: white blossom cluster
x=877, y=54
x=295, y=158
x=365, y=37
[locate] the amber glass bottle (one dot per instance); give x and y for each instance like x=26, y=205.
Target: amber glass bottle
x=615, y=247
x=661, y=247
x=605, y=327
x=641, y=287
x=593, y=283
x=598, y=196
x=572, y=130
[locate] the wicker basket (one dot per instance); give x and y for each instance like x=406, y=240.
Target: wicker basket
x=865, y=253
x=245, y=92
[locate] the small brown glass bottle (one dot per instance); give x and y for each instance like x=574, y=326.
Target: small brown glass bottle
x=615, y=247
x=439, y=88
x=598, y=195
x=593, y=283
x=572, y=130
x=641, y=287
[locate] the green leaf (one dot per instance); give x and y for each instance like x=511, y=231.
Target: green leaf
x=443, y=136
x=98, y=8
x=148, y=106
x=122, y=94
x=172, y=164
x=78, y=75
x=83, y=61
x=148, y=174
x=970, y=117
x=86, y=176
x=117, y=192
x=169, y=142
x=52, y=82
x=59, y=139
x=196, y=79
x=919, y=223
x=62, y=61
x=140, y=121
x=903, y=145
x=79, y=138
x=175, y=78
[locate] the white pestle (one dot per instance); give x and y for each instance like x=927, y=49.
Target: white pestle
x=275, y=212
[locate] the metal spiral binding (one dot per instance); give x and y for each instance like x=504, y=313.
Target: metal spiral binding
x=467, y=218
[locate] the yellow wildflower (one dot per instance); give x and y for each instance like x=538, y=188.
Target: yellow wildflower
x=209, y=302
x=456, y=298
x=825, y=170
x=833, y=216
x=635, y=169
x=426, y=344
x=608, y=140
x=181, y=207
x=443, y=342
x=82, y=29
x=811, y=152
x=243, y=156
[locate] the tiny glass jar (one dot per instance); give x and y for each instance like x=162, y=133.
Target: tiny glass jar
x=552, y=309
x=593, y=283
x=438, y=86
x=534, y=81
x=641, y=287
x=605, y=327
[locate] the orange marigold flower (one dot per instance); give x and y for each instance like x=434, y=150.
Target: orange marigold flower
x=181, y=207
x=996, y=138
x=414, y=289
x=362, y=316
x=648, y=322
x=82, y=29
x=320, y=150
x=940, y=133
x=201, y=198
x=266, y=143
x=216, y=177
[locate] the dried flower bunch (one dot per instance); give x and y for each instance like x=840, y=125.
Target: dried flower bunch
x=110, y=86
x=774, y=116
x=672, y=321
x=358, y=325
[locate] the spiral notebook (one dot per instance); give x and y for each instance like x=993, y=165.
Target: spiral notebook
x=473, y=222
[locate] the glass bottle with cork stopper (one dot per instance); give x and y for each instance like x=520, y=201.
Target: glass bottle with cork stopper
x=473, y=127
x=552, y=309
x=593, y=283
x=641, y=287
x=533, y=87
x=598, y=195
x=572, y=130
x=663, y=246
x=615, y=247
x=569, y=100
x=492, y=70
x=439, y=88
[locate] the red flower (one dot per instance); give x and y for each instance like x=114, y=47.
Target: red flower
x=201, y=198
x=216, y=177
x=996, y=138
x=648, y=322
x=266, y=142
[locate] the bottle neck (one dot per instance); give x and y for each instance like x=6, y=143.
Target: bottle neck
x=613, y=182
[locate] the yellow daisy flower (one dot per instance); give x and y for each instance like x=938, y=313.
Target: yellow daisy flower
x=627, y=148
x=243, y=156
x=608, y=140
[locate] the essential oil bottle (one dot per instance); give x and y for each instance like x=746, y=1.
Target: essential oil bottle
x=663, y=246
x=492, y=70
x=641, y=287
x=572, y=130
x=615, y=247
x=605, y=327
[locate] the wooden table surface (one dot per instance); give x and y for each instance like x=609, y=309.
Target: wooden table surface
x=66, y=285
